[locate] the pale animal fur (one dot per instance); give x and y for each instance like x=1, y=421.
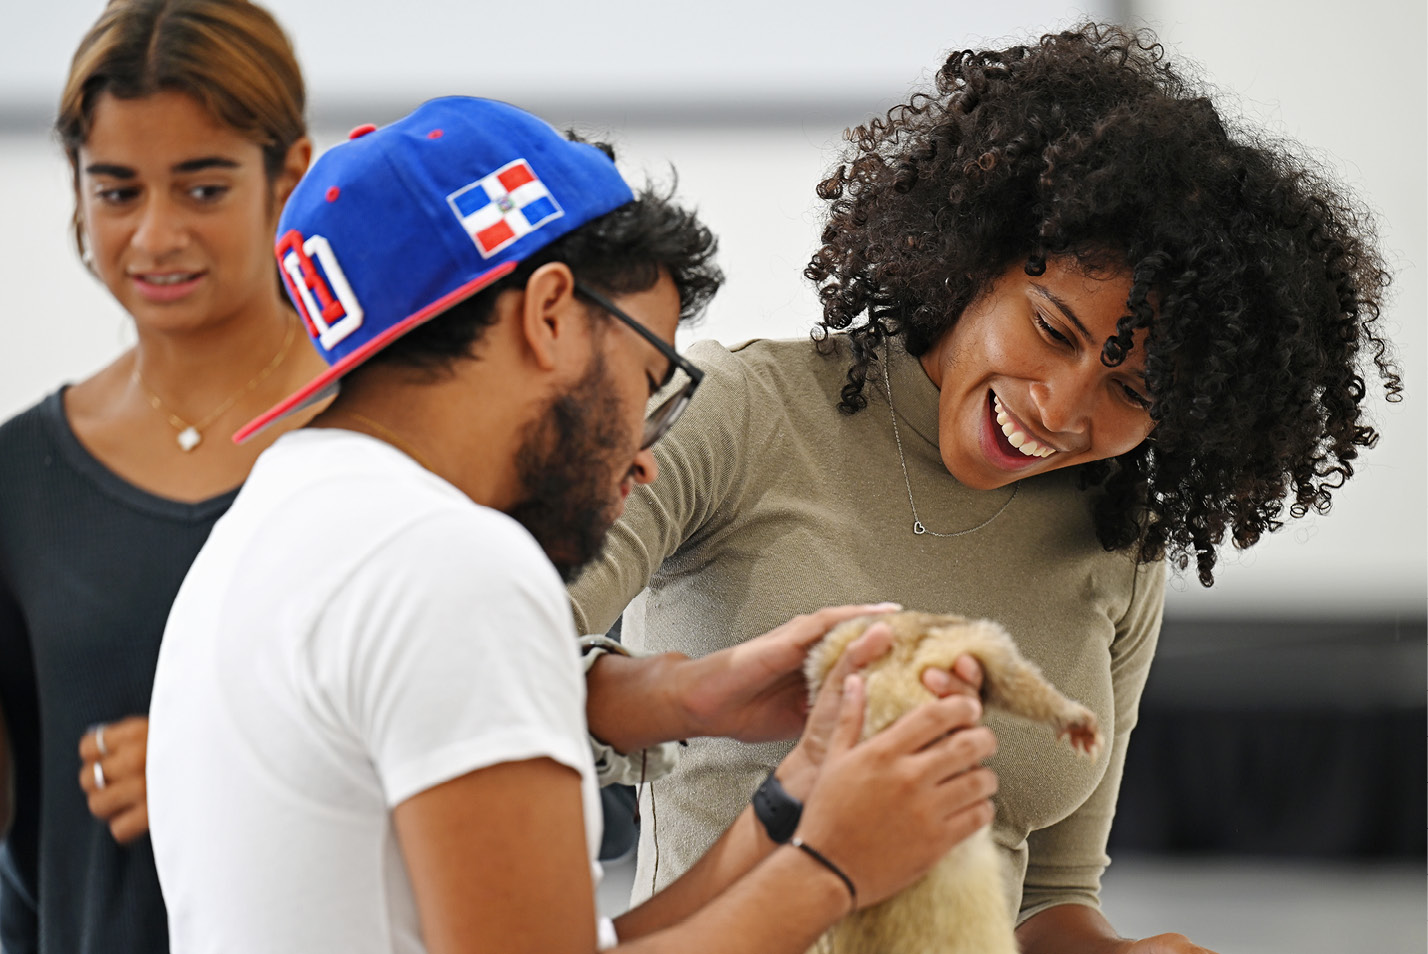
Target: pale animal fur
x=960, y=906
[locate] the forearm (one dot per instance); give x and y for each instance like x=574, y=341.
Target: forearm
x=1069, y=929
x=765, y=900
x=737, y=852
x=633, y=702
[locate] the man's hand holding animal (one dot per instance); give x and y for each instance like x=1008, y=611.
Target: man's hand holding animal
x=755, y=691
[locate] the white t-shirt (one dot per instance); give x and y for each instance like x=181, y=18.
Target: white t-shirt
x=355, y=631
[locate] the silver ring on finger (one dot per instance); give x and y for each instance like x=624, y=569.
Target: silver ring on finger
x=99, y=741
x=99, y=776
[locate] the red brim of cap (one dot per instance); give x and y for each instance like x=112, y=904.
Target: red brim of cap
x=324, y=384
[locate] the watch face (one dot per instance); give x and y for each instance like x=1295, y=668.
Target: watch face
x=776, y=810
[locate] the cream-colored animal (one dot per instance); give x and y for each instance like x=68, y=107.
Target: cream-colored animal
x=960, y=906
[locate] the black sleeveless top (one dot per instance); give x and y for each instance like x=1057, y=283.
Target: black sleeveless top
x=89, y=565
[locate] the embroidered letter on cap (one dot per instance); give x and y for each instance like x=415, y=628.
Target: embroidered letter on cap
x=334, y=312
x=500, y=208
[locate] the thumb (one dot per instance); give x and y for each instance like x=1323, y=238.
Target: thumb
x=850, y=717
x=875, y=642
x=869, y=647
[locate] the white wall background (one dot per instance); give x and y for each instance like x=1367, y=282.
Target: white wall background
x=748, y=99
x=629, y=52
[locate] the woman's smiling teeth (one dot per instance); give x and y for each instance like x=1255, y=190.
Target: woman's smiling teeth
x=1017, y=437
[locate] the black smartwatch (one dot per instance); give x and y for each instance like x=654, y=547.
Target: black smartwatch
x=777, y=810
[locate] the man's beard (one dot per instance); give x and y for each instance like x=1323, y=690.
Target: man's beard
x=569, y=464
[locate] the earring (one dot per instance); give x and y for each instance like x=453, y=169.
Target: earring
x=86, y=256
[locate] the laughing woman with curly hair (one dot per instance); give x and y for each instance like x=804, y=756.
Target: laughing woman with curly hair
x=1076, y=325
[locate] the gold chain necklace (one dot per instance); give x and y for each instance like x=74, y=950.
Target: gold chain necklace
x=917, y=526
x=191, y=435
x=385, y=433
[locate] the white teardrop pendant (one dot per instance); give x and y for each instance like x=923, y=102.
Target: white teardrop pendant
x=189, y=437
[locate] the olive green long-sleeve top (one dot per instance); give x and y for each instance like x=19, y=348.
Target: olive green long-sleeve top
x=771, y=502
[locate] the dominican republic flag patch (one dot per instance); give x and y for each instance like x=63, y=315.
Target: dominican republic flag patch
x=504, y=206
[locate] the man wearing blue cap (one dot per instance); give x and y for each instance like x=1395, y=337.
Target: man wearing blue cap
x=368, y=724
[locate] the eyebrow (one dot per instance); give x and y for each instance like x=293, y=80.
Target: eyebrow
x=206, y=162
x=188, y=165
x=1065, y=310
x=112, y=171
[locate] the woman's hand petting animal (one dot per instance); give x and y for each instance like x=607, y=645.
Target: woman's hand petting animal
x=1078, y=929
x=112, y=761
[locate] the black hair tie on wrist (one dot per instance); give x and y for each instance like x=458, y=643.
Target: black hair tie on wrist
x=822, y=859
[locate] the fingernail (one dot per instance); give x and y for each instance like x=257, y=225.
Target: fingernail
x=887, y=606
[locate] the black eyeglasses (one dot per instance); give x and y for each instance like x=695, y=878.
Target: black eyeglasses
x=658, y=421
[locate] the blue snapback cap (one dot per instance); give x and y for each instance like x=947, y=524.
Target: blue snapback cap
x=391, y=228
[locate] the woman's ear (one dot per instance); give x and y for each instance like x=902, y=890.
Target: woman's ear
x=550, y=314
x=79, y=229
x=295, y=165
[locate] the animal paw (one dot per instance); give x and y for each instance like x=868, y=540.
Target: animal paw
x=1079, y=728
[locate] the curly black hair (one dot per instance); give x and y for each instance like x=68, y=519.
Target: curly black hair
x=1258, y=278
x=620, y=253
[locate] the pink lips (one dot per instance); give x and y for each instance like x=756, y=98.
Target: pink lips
x=154, y=292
